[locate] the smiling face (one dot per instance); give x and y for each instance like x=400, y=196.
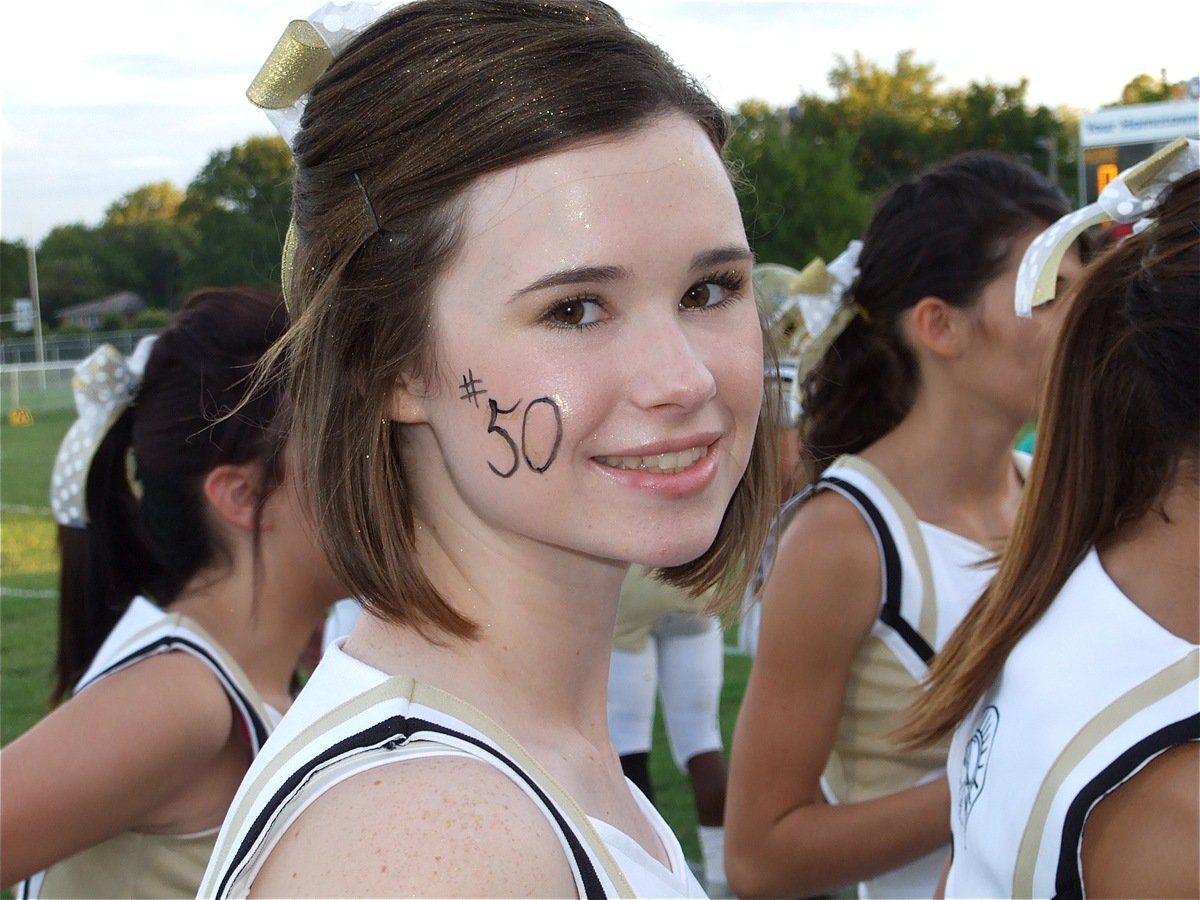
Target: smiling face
x=598, y=355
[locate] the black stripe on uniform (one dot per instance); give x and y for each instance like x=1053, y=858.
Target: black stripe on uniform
x=890, y=615
x=260, y=728
x=397, y=730
x=1068, y=882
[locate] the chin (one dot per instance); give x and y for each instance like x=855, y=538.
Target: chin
x=676, y=553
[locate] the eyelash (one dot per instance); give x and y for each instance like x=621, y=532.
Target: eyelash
x=732, y=281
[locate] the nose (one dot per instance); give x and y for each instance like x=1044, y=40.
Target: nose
x=668, y=368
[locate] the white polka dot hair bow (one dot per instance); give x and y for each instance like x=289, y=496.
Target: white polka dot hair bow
x=104, y=384
x=1126, y=200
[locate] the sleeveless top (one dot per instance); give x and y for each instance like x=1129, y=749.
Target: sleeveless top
x=352, y=717
x=1094, y=691
x=930, y=578
x=137, y=864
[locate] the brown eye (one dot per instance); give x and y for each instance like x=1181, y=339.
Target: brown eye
x=699, y=296
x=716, y=291
x=568, y=313
x=578, y=312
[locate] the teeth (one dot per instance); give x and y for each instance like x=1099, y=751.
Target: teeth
x=663, y=462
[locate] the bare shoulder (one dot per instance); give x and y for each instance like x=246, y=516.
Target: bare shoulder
x=819, y=603
x=124, y=749
x=1143, y=839
x=433, y=827
x=172, y=693
x=171, y=701
x=826, y=570
x=831, y=522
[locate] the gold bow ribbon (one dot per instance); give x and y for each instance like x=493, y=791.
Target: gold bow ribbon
x=807, y=309
x=299, y=58
x=281, y=87
x=287, y=265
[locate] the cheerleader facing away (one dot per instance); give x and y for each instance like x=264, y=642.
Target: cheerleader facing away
x=525, y=354
x=191, y=583
x=1073, y=682
x=907, y=429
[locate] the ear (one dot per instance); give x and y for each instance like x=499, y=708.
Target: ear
x=407, y=401
x=939, y=327
x=234, y=491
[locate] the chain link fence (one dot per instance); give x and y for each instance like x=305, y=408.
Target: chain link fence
x=24, y=381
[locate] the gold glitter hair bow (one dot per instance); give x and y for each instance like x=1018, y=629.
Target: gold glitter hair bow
x=806, y=311
x=104, y=384
x=282, y=85
x=301, y=55
x=1126, y=200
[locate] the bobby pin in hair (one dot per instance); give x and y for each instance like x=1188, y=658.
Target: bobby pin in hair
x=367, y=200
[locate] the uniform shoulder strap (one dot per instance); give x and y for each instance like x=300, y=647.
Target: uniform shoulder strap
x=395, y=733
x=177, y=633
x=918, y=635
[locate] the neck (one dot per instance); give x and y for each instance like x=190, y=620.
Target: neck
x=1155, y=562
x=954, y=466
x=261, y=624
x=545, y=622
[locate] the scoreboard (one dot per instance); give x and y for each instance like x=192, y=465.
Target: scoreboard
x=1113, y=139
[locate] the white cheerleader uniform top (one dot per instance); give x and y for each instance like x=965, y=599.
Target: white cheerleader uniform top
x=930, y=578
x=139, y=864
x=352, y=717
x=1094, y=691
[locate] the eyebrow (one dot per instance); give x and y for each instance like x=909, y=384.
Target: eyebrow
x=722, y=256
x=593, y=274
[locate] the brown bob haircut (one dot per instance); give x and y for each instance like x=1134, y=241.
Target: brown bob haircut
x=431, y=97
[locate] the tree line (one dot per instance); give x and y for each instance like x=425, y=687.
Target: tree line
x=806, y=176
x=161, y=242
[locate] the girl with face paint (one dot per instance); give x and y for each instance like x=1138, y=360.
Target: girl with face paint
x=526, y=354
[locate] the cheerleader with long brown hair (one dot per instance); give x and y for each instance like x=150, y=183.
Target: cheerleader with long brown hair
x=1073, y=681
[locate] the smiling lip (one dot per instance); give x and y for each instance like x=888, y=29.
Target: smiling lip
x=678, y=469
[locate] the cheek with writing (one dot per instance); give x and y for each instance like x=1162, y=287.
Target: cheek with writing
x=526, y=435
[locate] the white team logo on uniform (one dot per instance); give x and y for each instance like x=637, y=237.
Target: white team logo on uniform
x=975, y=762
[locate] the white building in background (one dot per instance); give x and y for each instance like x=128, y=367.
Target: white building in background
x=1117, y=137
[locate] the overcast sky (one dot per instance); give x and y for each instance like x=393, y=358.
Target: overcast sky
x=101, y=98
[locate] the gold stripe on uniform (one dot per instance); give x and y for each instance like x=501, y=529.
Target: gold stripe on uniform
x=1133, y=701
x=927, y=626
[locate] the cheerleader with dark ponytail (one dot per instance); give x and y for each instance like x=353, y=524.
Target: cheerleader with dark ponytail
x=189, y=587
x=909, y=416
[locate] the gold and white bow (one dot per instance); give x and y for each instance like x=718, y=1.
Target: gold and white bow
x=1127, y=199
x=301, y=55
x=807, y=310
x=282, y=85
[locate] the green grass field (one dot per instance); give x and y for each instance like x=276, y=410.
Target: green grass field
x=28, y=558
x=28, y=601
